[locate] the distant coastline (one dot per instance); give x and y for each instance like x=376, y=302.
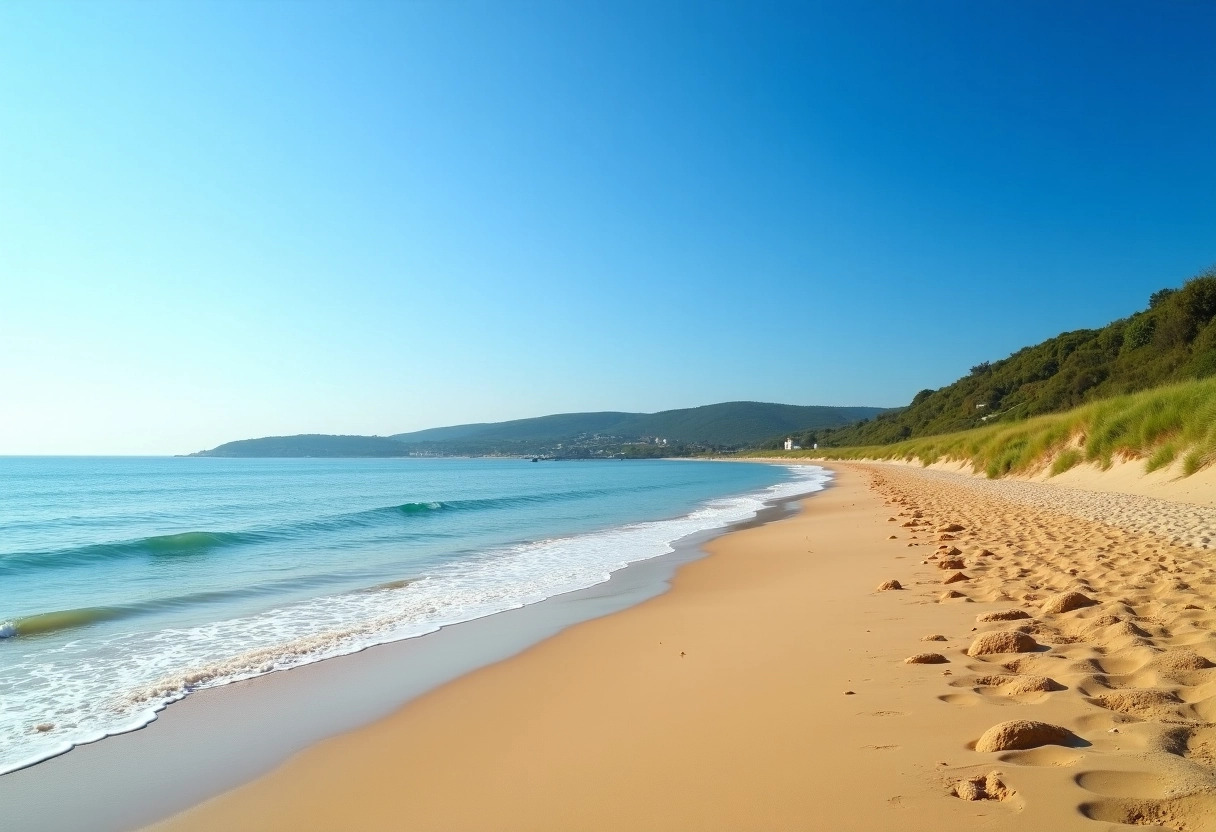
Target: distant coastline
x=715, y=428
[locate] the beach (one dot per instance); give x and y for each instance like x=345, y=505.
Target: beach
x=770, y=688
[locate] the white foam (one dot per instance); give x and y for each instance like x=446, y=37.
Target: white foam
x=121, y=683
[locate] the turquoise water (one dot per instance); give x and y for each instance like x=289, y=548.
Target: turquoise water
x=127, y=583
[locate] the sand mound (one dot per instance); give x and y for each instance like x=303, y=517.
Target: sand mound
x=1001, y=642
x=1066, y=602
x=953, y=527
x=1127, y=628
x=1001, y=615
x=955, y=578
x=954, y=552
x=1122, y=635
x=892, y=584
x=1020, y=734
x=1179, y=661
x=950, y=593
x=926, y=658
x=982, y=787
x=1013, y=685
x=951, y=563
x=934, y=637
x=1146, y=704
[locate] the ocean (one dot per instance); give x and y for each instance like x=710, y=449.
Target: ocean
x=127, y=583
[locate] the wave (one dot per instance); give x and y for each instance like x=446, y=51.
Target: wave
x=200, y=543
x=491, y=503
x=50, y=622
x=182, y=544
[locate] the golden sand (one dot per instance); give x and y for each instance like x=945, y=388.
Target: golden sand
x=770, y=688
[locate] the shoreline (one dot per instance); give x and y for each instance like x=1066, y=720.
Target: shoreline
x=138, y=777
x=550, y=738
x=770, y=688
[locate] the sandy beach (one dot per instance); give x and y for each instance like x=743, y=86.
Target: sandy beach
x=770, y=689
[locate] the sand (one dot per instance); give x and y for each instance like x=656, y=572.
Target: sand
x=770, y=688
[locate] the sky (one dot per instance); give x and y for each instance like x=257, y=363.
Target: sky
x=227, y=220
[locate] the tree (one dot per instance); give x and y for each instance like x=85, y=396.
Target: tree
x=1157, y=297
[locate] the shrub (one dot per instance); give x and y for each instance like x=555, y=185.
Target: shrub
x=1140, y=332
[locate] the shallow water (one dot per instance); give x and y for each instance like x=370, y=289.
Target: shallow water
x=127, y=583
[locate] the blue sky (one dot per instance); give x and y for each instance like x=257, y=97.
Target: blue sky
x=224, y=220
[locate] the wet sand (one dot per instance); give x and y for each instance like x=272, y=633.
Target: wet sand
x=770, y=688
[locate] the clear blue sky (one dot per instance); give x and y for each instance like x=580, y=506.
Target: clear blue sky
x=224, y=220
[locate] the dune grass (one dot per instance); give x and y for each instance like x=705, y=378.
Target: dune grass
x=1158, y=426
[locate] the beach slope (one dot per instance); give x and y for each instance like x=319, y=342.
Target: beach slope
x=770, y=688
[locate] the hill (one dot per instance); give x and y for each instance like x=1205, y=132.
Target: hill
x=1173, y=340
x=561, y=425
x=1173, y=425
x=727, y=424
x=306, y=445
x=711, y=427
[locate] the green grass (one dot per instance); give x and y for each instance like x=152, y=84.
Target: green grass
x=1157, y=426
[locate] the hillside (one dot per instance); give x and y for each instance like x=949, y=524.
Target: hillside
x=1173, y=340
x=559, y=426
x=1174, y=425
x=716, y=426
x=307, y=445
x=725, y=424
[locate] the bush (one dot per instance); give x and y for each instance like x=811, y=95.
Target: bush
x=1139, y=332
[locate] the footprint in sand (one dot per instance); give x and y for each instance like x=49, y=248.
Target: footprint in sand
x=1194, y=813
x=1133, y=784
x=966, y=699
x=1197, y=744
x=1049, y=756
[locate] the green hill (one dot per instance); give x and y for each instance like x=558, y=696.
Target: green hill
x=561, y=425
x=727, y=424
x=733, y=424
x=306, y=445
x=1173, y=340
x=716, y=426
x=1173, y=424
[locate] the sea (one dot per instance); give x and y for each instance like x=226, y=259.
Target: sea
x=128, y=583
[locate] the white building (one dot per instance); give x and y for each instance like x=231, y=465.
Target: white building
x=789, y=444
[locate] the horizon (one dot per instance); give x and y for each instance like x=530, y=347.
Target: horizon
x=230, y=222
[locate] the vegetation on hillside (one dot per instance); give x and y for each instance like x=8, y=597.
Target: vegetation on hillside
x=725, y=425
x=308, y=445
x=1173, y=340
x=1174, y=423
x=713, y=428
